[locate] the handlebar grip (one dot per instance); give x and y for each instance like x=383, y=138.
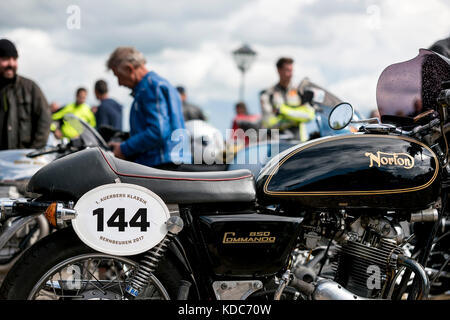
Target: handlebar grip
x=427, y=126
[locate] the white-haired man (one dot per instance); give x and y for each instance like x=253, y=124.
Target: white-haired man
x=155, y=113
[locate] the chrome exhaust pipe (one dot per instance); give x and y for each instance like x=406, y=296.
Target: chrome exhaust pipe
x=329, y=290
x=6, y=208
x=324, y=289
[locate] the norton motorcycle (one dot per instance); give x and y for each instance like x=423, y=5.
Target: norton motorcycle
x=132, y=232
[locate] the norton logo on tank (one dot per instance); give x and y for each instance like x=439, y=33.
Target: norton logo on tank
x=121, y=219
x=390, y=159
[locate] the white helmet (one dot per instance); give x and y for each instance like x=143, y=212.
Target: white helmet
x=206, y=142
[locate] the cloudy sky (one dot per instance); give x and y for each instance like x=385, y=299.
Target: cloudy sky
x=342, y=45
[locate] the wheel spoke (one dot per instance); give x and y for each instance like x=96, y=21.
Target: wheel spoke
x=118, y=278
x=97, y=276
x=60, y=278
x=93, y=276
x=86, y=265
x=54, y=291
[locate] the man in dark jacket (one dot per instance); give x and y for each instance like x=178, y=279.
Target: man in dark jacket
x=190, y=111
x=109, y=112
x=24, y=112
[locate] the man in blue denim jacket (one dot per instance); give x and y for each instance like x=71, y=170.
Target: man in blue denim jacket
x=156, y=118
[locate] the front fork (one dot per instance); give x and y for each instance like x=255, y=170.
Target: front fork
x=432, y=232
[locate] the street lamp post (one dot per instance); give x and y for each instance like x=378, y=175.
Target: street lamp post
x=244, y=57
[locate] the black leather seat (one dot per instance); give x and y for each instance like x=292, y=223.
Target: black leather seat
x=72, y=176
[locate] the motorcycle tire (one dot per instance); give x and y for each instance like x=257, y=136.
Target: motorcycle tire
x=61, y=246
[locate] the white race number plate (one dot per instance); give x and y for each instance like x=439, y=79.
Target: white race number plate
x=121, y=219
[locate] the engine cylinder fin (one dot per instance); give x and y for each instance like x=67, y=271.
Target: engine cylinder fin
x=355, y=262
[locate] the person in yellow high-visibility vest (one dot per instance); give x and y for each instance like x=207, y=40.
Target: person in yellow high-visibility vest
x=282, y=106
x=80, y=109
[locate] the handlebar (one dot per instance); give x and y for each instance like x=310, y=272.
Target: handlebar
x=387, y=128
x=60, y=148
x=418, y=129
x=40, y=152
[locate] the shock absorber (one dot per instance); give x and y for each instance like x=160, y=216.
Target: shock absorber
x=151, y=259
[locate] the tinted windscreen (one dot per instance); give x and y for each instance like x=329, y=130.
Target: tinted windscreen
x=88, y=134
x=408, y=88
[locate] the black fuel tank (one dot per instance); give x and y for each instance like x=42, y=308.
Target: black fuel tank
x=355, y=171
x=249, y=245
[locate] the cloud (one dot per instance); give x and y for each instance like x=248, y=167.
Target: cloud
x=147, y=25
x=342, y=45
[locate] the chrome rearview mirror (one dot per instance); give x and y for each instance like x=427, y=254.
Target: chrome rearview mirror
x=340, y=116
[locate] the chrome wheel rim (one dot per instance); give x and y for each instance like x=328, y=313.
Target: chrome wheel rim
x=93, y=276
